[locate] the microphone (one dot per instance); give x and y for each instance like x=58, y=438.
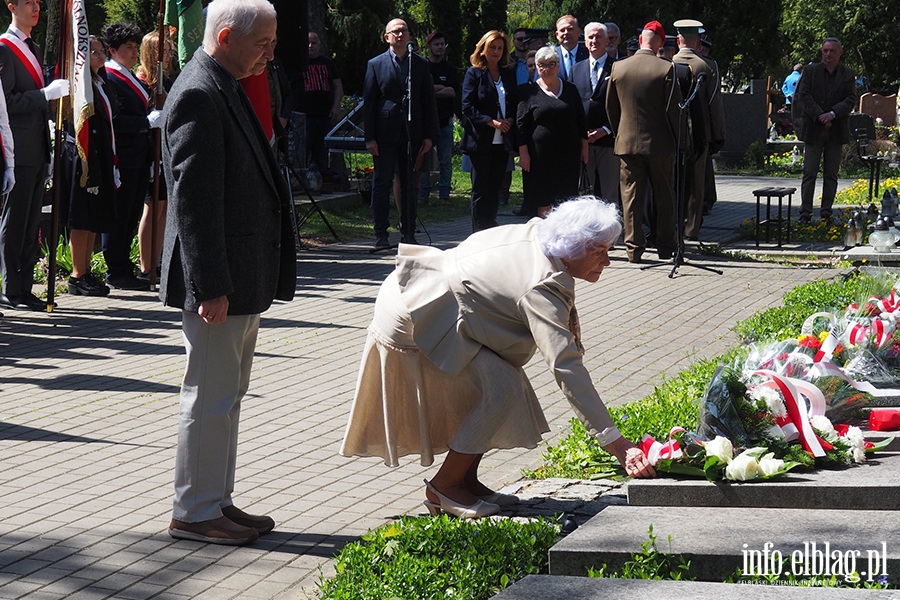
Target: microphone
x=701, y=77
x=409, y=47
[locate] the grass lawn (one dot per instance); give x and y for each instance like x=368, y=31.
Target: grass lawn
x=355, y=223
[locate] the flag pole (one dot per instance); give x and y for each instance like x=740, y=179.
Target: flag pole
x=62, y=47
x=157, y=141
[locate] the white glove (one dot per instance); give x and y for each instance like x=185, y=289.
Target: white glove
x=154, y=119
x=9, y=180
x=58, y=88
x=117, y=177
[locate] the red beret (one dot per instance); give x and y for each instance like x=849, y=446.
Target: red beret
x=657, y=28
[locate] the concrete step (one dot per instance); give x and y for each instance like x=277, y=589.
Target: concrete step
x=873, y=485
x=719, y=542
x=546, y=587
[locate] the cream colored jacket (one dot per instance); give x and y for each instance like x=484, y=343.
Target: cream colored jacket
x=498, y=290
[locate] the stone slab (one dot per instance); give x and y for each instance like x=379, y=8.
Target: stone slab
x=873, y=485
x=866, y=255
x=719, y=542
x=547, y=587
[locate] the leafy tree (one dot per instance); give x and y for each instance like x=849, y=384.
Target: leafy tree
x=142, y=13
x=356, y=30
x=864, y=28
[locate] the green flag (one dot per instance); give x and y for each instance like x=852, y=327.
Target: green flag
x=187, y=16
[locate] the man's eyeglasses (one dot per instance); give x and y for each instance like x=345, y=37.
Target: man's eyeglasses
x=398, y=32
x=547, y=66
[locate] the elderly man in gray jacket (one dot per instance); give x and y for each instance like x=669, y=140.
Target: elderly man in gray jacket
x=228, y=252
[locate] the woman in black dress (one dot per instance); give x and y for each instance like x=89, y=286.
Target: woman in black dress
x=553, y=135
x=91, y=192
x=489, y=133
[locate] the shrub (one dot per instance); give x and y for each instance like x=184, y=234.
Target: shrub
x=441, y=557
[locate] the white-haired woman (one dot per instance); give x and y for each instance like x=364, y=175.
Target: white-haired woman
x=552, y=137
x=442, y=366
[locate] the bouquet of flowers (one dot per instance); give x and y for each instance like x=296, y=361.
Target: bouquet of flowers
x=756, y=426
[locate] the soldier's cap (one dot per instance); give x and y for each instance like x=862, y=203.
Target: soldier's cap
x=432, y=35
x=706, y=42
x=688, y=26
x=656, y=27
x=671, y=41
x=633, y=44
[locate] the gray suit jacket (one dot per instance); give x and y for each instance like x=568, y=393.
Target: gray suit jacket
x=228, y=231
x=811, y=100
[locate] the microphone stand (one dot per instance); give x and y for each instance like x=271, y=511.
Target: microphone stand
x=680, y=187
x=410, y=157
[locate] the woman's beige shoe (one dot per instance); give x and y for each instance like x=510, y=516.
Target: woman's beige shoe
x=451, y=507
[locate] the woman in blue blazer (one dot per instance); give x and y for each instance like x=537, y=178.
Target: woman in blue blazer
x=489, y=102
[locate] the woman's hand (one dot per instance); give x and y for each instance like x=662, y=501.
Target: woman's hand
x=631, y=458
x=524, y=158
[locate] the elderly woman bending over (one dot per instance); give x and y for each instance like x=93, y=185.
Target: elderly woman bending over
x=442, y=366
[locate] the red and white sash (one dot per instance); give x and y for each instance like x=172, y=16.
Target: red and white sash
x=25, y=56
x=127, y=77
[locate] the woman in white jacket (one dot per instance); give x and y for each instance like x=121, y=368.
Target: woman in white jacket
x=442, y=366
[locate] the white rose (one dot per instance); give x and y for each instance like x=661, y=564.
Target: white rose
x=721, y=448
x=772, y=399
x=742, y=468
x=858, y=444
x=824, y=428
x=769, y=465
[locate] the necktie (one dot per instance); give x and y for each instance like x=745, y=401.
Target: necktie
x=35, y=50
x=594, y=72
x=569, y=63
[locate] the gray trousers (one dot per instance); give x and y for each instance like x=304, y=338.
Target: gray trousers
x=217, y=376
x=812, y=155
x=19, y=225
x=603, y=167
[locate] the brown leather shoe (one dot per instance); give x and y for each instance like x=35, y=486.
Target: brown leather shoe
x=215, y=531
x=261, y=523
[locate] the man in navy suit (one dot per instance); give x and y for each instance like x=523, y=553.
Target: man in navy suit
x=591, y=77
x=228, y=252
x=388, y=130
x=569, y=50
x=28, y=103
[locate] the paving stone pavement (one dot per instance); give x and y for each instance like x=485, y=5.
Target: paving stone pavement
x=89, y=403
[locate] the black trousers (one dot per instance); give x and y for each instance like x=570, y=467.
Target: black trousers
x=129, y=207
x=19, y=225
x=488, y=170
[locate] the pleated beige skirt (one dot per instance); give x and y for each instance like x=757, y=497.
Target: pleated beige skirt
x=405, y=405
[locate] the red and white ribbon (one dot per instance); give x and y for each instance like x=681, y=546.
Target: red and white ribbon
x=656, y=451
x=796, y=407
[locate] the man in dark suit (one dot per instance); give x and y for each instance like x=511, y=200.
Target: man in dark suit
x=569, y=50
x=388, y=131
x=642, y=104
x=613, y=39
x=228, y=252
x=28, y=104
x=823, y=100
x=591, y=77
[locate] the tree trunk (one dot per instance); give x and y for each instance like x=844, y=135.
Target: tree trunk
x=317, y=10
